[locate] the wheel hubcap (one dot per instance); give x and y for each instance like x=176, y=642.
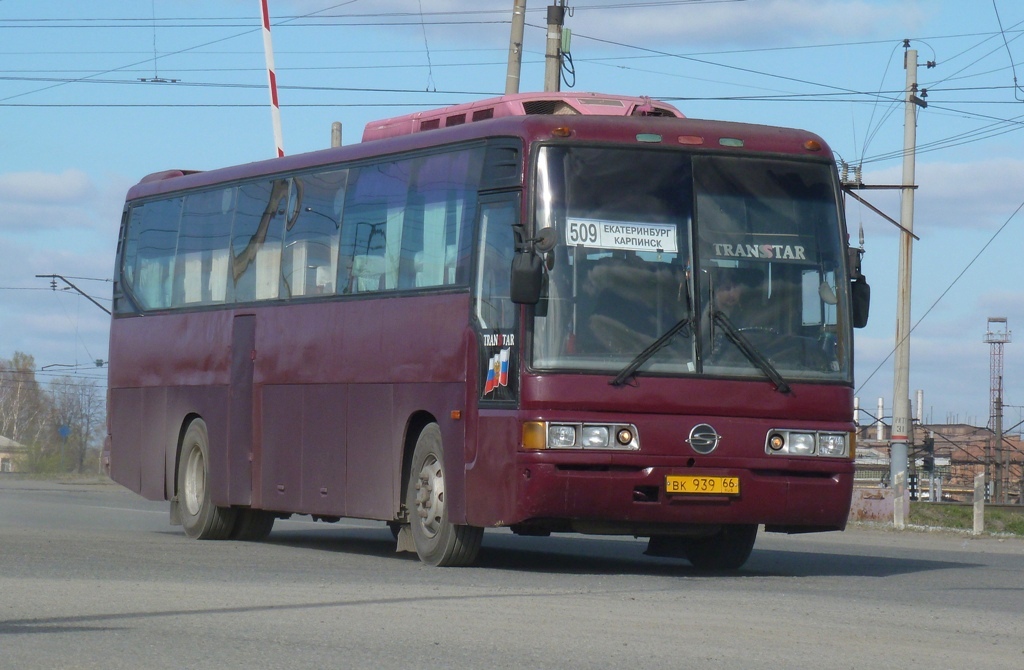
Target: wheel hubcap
x=430, y=496
x=195, y=482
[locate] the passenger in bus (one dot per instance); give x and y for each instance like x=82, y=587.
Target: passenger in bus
x=736, y=293
x=735, y=289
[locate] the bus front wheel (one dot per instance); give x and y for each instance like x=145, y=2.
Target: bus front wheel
x=728, y=549
x=201, y=519
x=438, y=541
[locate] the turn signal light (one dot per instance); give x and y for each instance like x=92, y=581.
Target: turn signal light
x=535, y=434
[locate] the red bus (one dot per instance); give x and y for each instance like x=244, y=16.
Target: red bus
x=546, y=319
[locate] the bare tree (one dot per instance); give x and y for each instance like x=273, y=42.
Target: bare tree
x=78, y=412
x=23, y=405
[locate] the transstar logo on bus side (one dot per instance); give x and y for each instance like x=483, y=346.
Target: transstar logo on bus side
x=499, y=339
x=628, y=236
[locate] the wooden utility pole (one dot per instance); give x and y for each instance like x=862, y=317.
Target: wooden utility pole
x=515, y=47
x=553, y=53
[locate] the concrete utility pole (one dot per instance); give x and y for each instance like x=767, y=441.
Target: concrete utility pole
x=553, y=53
x=901, y=383
x=515, y=47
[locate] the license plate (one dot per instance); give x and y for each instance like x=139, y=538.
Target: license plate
x=702, y=485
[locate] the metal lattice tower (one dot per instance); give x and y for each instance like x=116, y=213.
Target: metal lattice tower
x=996, y=335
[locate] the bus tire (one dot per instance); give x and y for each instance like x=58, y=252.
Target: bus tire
x=252, y=525
x=728, y=549
x=201, y=519
x=438, y=541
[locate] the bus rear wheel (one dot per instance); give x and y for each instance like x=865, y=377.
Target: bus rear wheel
x=253, y=525
x=438, y=541
x=201, y=519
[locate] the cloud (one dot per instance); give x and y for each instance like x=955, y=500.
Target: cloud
x=55, y=326
x=69, y=200
x=64, y=223
x=970, y=195
x=948, y=354
x=653, y=24
x=978, y=195
x=68, y=187
x=775, y=23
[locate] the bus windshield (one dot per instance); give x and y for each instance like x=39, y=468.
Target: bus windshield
x=671, y=263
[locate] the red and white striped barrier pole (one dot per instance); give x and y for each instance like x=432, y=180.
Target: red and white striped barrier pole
x=275, y=108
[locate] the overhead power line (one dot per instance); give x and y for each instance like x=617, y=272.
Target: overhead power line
x=947, y=290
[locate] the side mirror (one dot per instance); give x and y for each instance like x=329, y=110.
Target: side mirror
x=860, y=299
x=527, y=278
x=853, y=257
x=528, y=265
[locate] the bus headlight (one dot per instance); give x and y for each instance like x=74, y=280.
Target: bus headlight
x=832, y=444
x=594, y=436
x=549, y=435
x=561, y=436
x=805, y=443
x=801, y=443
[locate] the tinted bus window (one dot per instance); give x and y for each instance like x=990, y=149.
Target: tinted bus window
x=618, y=277
x=437, y=212
x=309, y=264
x=149, y=252
x=770, y=256
x=256, y=239
x=373, y=214
x=404, y=223
x=494, y=308
x=201, y=261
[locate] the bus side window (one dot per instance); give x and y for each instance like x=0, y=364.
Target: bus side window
x=405, y=222
x=493, y=306
x=149, y=251
x=256, y=239
x=309, y=265
x=439, y=199
x=363, y=249
x=374, y=209
x=201, y=262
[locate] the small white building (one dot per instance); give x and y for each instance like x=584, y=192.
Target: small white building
x=10, y=453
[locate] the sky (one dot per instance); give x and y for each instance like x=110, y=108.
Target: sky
x=96, y=94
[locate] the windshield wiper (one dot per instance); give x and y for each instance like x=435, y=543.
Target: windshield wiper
x=645, y=355
x=750, y=351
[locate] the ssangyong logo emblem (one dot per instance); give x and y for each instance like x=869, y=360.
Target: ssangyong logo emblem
x=703, y=438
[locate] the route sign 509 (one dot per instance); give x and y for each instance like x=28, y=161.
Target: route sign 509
x=582, y=232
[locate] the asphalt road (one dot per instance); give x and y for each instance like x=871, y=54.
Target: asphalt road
x=91, y=576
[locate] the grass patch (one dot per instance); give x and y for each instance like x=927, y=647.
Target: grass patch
x=961, y=517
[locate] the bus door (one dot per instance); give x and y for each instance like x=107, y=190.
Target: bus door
x=493, y=310
x=490, y=485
